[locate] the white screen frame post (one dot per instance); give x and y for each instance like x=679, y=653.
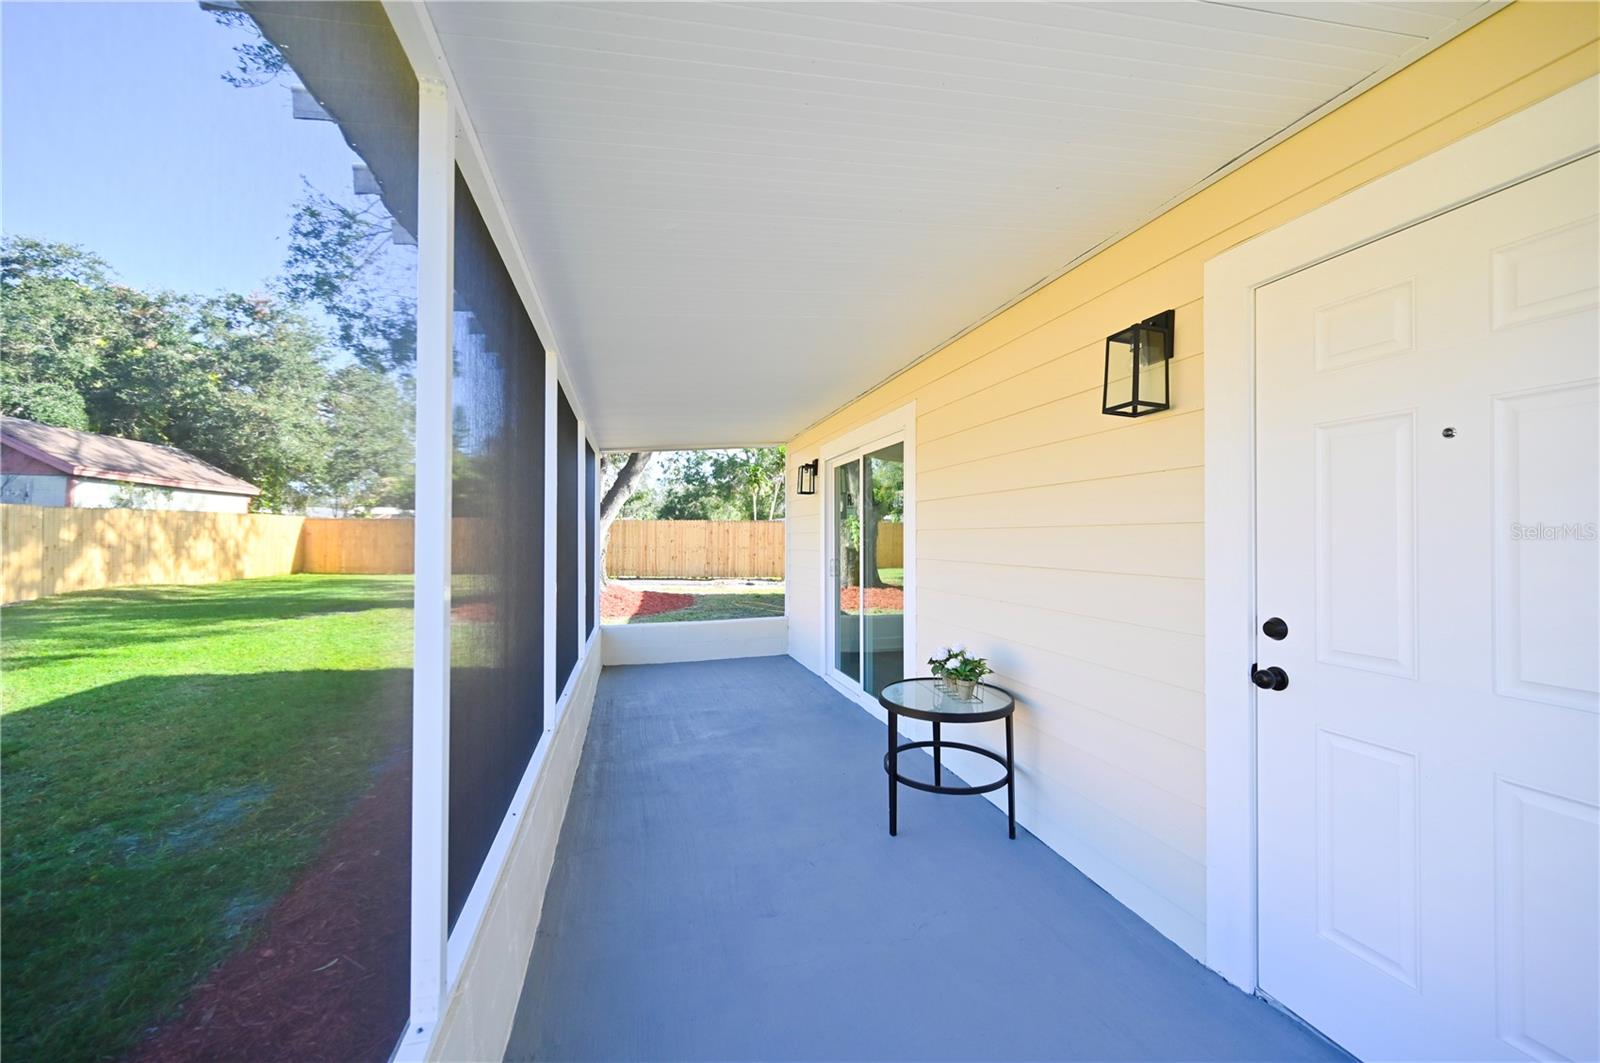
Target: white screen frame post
x=593, y=509
x=430, y=685
x=1551, y=133
x=552, y=459
x=582, y=545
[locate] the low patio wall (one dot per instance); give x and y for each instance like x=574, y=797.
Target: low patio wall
x=695, y=640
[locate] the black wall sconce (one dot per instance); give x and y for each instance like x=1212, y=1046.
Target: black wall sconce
x=806, y=481
x=1137, y=381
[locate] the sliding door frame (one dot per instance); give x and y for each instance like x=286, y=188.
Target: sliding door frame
x=896, y=426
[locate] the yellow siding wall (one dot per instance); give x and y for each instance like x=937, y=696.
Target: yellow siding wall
x=1068, y=545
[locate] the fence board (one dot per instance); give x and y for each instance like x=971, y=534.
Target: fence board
x=695, y=549
x=49, y=550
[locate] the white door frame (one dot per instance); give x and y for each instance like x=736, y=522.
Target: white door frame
x=1555, y=131
x=898, y=425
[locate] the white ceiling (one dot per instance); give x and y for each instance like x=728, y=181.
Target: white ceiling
x=741, y=216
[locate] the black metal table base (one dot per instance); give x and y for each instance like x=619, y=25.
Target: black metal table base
x=938, y=745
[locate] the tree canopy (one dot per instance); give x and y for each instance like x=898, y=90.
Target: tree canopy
x=245, y=382
x=743, y=484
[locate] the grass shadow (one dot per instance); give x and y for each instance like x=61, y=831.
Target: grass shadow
x=92, y=620
x=149, y=823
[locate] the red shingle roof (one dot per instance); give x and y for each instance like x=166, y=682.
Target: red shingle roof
x=110, y=458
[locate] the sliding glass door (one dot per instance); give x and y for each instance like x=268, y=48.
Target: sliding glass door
x=867, y=565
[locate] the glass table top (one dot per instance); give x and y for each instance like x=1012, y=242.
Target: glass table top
x=924, y=696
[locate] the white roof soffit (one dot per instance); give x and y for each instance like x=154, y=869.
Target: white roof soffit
x=741, y=216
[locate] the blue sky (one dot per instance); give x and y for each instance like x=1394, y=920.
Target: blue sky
x=120, y=135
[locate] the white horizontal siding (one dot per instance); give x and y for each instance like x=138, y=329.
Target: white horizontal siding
x=1068, y=546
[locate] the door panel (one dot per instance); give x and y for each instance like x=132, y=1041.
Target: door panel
x=1428, y=489
x=1366, y=545
x=883, y=568
x=1547, y=477
x=847, y=567
x=867, y=567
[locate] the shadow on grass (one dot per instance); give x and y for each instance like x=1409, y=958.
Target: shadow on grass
x=150, y=822
x=92, y=620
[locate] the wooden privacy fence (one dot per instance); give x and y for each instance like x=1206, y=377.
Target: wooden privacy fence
x=48, y=550
x=695, y=549
x=891, y=544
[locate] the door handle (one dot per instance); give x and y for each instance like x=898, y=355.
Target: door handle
x=1269, y=678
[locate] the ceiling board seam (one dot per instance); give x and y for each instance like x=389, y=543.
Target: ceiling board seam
x=920, y=89
x=1140, y=11
x=1418, y=37
x=1477, y=15
x=1034, y=27
x=1050, y=108
x=1134, y=79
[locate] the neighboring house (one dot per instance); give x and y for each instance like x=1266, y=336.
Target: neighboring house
x=43, y=465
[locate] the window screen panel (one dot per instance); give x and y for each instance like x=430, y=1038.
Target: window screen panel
x=497, y=570
x=566, y=539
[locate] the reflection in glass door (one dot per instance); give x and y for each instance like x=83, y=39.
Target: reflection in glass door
x=847, y=554
x=869, y=566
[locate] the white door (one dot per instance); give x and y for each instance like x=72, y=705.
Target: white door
x=1427, y=465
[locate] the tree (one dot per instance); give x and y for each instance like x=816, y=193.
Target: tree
x=259, y=61
x=239, y=381
x=745, y=484
x=369, y=457
x=341, y=260
x=629, y=470
x=58, y=316
x=888, y=501
x=249, y=397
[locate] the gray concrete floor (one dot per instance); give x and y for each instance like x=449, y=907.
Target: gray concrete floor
x=726, y=889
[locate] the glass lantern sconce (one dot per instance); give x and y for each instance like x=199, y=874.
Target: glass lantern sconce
x=806, y=481
x=1137, y=381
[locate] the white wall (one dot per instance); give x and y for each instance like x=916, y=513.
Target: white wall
x=802, y=570
x=113, y=494
x=695, y=640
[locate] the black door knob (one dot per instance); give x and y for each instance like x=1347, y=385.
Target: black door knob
x=1269, y=678
x=1275, y=628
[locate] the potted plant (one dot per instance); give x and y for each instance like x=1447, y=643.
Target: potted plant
x=964, y=671
x=940, y=662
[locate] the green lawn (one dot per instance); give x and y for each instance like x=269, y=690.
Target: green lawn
x=172, y=757
x=724, y=605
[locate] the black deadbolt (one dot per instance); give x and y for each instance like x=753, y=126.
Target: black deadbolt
x=1275, y=629
x=1269, y=678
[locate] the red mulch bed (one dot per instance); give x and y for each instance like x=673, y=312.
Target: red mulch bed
x=327, y=976
x=474, y=612
x=624, y=603
x=879, y=599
